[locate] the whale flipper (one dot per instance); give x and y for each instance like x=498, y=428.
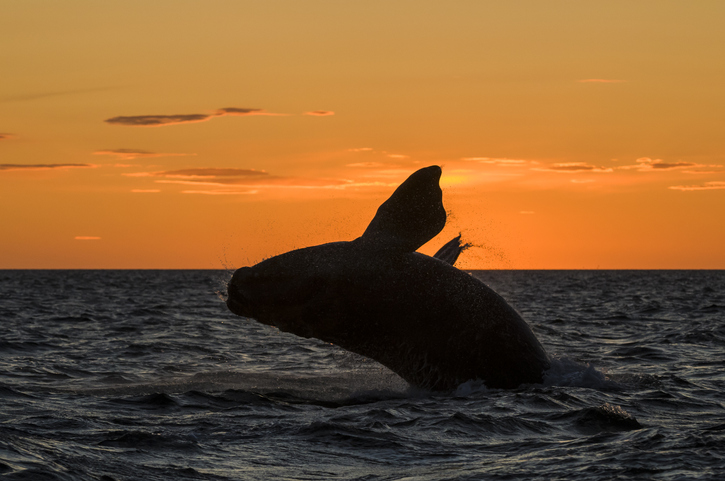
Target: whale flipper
x=451, y=250
x=412, y=216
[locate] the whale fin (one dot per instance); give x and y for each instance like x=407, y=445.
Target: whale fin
x=412, y=216
x=451, y=250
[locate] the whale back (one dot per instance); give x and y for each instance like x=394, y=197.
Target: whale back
x=412, y=216
x=434, y=325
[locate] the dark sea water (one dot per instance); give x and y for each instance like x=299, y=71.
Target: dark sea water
x=144, y=375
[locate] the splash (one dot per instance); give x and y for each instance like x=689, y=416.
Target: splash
x=566, y=372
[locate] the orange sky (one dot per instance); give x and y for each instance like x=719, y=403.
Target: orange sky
x=182, y=134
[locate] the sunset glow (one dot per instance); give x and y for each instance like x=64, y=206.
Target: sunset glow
x=571, y=134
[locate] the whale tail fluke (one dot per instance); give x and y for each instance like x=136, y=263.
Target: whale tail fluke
x=451, y=250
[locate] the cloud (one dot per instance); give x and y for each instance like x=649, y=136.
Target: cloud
x=57, y=93
x=269, y=181
x=399, y=160
x=86, y=237
x=645, y=164
x=573, y=167
x=220, y=192
x=236, y=181
x=43, y=166
x=320, y=113
x=130, y=154
x=205, y=173
x=367, y=164
x=220, y=177
x=504, y=162
x=660, y=165
x=164, y=120
x=157, y=120
x=239, y=112
x=601, y=81
x=5, y=136
x=706, y=186
x=389, y=171
x=674, y=165
x=145, y=191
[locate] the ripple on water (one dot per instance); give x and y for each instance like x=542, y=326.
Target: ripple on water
x=145, y=375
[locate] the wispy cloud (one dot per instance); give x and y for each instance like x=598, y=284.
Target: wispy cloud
x=224, y=177
x=215, y=172
x=5, y=136
x=601, y=81
x=717, y=185
x=366, y=164
x=573, y=168
x=220, y=192
x=671, y=165
x=164, y=120
x=86, y=237
x=645, y=164
x=497, y=161
x=145, y=191
x=130, y=154
x=56, y=93
x=269, y=181
x=202, y=173
x=400, y=159
x=43, y=166
x=320, y=113
x=157, y=120
x=229, y=181
x=379, y=166
x=241, y=112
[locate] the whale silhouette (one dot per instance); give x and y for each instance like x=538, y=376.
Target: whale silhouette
x=431, y=323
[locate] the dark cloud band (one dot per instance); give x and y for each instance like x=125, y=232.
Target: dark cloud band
x=157, y=120
x=320, y=113
x=240, y=111
x=163, y=120
x=42, y=166
x=671, y=165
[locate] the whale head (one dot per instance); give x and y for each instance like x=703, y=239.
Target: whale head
x=288, y=291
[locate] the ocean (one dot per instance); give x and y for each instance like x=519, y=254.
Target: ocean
x=145, y=375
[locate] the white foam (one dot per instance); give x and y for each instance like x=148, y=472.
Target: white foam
x=471, y=388
x=567, y=372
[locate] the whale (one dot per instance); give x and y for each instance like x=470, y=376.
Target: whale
x=433, y=324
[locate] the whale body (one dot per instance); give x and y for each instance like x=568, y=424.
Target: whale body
x=431, y=323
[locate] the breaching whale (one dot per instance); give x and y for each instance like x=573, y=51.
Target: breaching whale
x=431, y=323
